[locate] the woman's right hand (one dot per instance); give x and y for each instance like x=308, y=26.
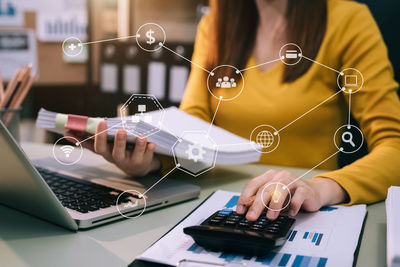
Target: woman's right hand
x=138, y=162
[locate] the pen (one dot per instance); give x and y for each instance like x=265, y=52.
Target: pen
x=24, y=91
x=24, y=75
x=20, y=88
x=10, y=89
x=18, y=101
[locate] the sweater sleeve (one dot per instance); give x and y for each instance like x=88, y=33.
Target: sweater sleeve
x=196, y=98
x=376, y=107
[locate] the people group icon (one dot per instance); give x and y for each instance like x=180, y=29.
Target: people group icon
x=225, y=82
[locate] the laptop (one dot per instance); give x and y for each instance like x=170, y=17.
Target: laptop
x=72, y=202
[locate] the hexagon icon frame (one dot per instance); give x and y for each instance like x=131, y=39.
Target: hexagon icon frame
x=181, y=165
x=156, y=103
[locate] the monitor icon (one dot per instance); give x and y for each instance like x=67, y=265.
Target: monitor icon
x=350, y=80
x=142, y=108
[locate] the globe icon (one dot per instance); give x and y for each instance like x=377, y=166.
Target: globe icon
x=265, y=139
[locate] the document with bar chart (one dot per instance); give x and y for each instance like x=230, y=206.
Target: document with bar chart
x=327, y=238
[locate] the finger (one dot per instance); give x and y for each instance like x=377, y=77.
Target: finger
x=78, y=134
x=297, y=201
x=149, y=153
x=100, y=141
x=140, y=148
x=119, y=149
x=278, y=196
x=255, y=210
x=87, y=144
x=251, y=189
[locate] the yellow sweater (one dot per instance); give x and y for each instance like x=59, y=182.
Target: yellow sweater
x=352, y=40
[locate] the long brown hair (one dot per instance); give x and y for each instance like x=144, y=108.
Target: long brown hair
x=234, y=27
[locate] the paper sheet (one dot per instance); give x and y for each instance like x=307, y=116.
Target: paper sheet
x=17, y=49
x=325, y=238
x=393, y=222
x=11, y=13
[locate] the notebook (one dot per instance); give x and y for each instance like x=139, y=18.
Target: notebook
x=226, y=147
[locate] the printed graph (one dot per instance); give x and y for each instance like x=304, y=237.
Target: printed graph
x=328, y=208
x=231, y=203
x=271, y=259
x=315, y=238
x=312, y=238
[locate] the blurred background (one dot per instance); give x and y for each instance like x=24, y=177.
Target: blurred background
x=105, y=74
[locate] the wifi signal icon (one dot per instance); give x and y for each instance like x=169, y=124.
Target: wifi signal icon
x=67, y=150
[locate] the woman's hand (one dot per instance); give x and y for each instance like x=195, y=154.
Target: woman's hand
x=310, y=195
x=138, y=162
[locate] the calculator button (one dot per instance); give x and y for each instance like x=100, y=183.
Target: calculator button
x=230, y=223
x=272, y=231
x=214, y=221
x=276, y=225
x=260, y=224
x=218, y=217
x=257, y=227
x=225, y=212
x=243, y=224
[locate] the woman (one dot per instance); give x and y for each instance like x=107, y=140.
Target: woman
x=340, y=34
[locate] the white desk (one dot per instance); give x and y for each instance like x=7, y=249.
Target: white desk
x=27, y=241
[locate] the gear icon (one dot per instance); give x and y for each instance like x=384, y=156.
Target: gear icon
x=195, y=152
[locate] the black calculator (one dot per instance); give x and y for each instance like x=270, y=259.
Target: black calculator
x=228, y=231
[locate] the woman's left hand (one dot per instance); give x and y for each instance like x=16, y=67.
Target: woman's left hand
x=310, y=195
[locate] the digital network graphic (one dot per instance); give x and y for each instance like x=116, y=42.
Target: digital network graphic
x=197, y=159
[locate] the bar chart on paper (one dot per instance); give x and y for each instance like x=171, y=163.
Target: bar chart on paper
x=308, y=244
x=59, y=26
x=272, y=258
x=309, y=239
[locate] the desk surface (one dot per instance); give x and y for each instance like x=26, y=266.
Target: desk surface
x=27, y=241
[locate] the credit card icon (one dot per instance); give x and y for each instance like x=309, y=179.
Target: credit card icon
x=292, y=54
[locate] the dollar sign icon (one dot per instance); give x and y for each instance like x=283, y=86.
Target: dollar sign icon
x=149, y=34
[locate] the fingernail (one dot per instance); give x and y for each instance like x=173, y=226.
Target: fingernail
x=271, y=215
x=121, y=136
x=292, y=212
x=251, y=214
x=240, y=209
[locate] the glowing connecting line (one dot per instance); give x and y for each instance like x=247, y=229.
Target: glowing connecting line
x=93, y=136
x=109, y=40
x=162, y=178
x=313, y=168
x=188, y=60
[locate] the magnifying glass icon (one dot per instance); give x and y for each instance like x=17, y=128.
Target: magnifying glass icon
x=347, y=137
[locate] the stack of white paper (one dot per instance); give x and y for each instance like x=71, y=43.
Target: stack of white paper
x=327, y=238
x=393, y=226
x=223, y=147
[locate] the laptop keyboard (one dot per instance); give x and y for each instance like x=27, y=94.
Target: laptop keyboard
x=81, y=195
